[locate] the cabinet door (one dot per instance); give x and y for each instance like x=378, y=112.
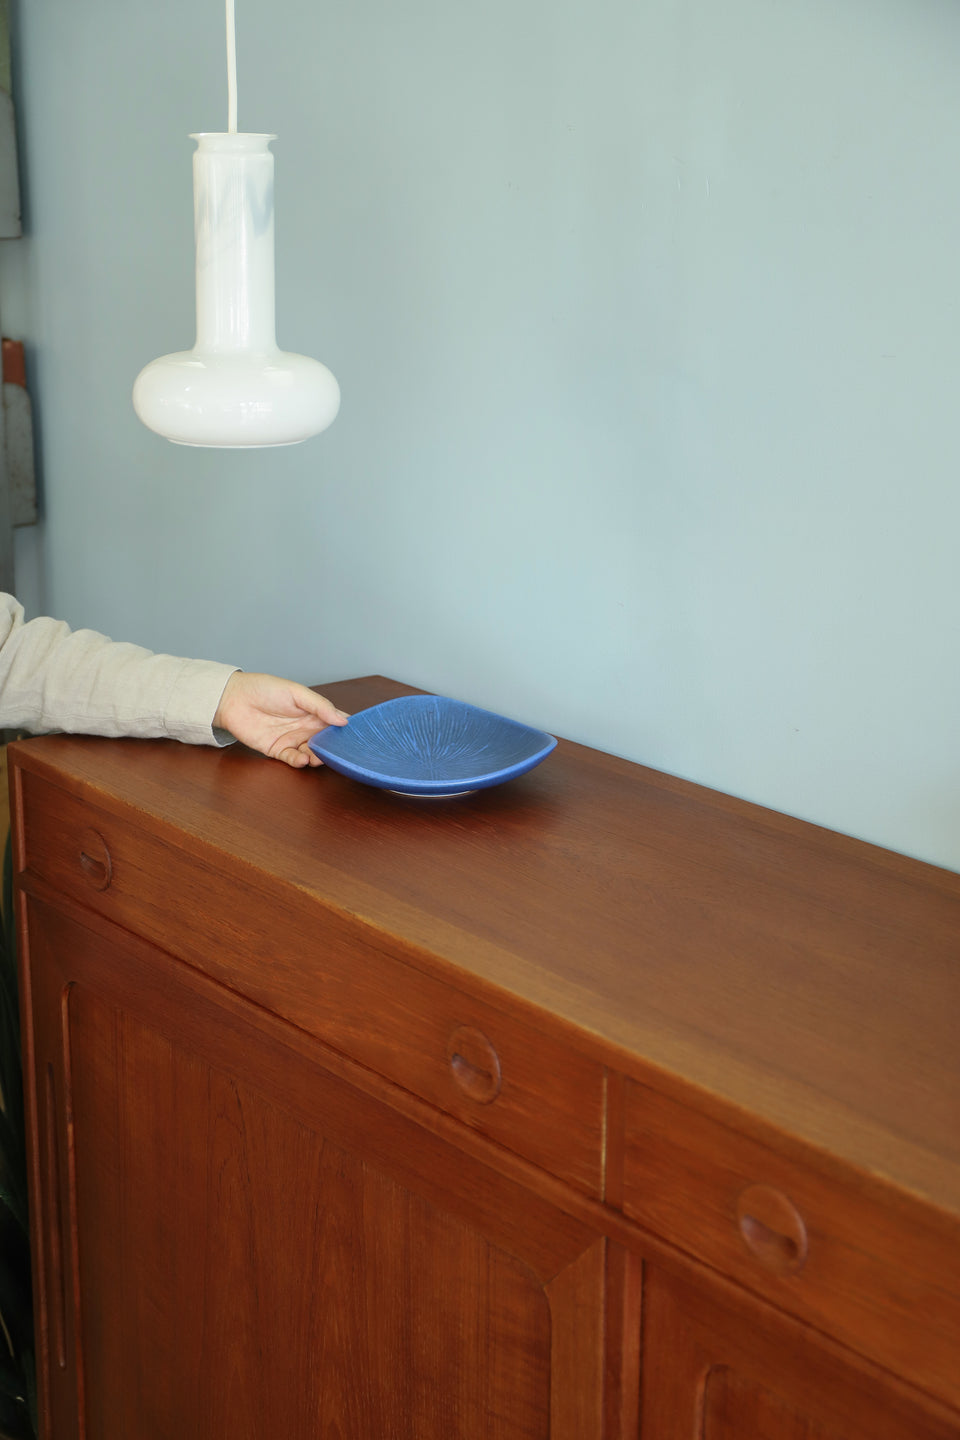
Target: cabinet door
x=722, y=1368
x=240, y=1238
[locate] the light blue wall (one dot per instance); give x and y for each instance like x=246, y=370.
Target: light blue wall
x=646, y=315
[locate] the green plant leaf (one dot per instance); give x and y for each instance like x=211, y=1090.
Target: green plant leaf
x=15, y=1419
x=12, y=1200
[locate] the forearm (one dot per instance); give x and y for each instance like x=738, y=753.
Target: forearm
x=52, y=678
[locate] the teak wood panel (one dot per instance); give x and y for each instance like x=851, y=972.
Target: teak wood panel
x=795, y=987
x=250, y=1246
x=754, y=963
x=719, y=1368
x=884, y=1278
x=314, y=966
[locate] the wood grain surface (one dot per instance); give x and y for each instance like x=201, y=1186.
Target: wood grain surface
x=594, y=1100
x=805, y=980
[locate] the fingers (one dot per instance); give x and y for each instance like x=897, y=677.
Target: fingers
x=294, y=757
x=298, y=757
x=320, y=706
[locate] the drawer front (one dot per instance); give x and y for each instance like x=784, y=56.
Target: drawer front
x=325, y=972
x=882, y=1278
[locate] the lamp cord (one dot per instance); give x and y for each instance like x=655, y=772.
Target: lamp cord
x=231, y=69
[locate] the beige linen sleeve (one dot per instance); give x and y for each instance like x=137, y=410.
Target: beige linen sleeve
x=55, y=678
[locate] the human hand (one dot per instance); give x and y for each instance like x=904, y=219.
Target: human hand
x=276, y=717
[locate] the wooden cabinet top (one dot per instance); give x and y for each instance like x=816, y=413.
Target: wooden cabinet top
x=786, y=977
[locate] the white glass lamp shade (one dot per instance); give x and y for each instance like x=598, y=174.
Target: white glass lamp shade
x=235, y=388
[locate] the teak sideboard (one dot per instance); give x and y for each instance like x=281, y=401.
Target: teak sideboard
x=596, y=1106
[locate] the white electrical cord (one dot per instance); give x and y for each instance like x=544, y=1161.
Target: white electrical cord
x=231, y=69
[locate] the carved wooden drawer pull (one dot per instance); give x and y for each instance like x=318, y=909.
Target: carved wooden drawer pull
x=474, y=1064
x=772, y=1228
x=95, y=859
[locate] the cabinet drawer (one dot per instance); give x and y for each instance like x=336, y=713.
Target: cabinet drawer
x=882, y=1275
x=327, y=973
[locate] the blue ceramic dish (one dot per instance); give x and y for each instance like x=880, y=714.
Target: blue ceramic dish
x=426, y=745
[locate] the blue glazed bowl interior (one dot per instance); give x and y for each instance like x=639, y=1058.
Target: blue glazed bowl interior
x=428, y=745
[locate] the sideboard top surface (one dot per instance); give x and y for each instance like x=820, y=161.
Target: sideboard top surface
x=804, y=978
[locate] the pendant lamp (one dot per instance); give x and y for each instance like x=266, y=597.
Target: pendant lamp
x=235, y=388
